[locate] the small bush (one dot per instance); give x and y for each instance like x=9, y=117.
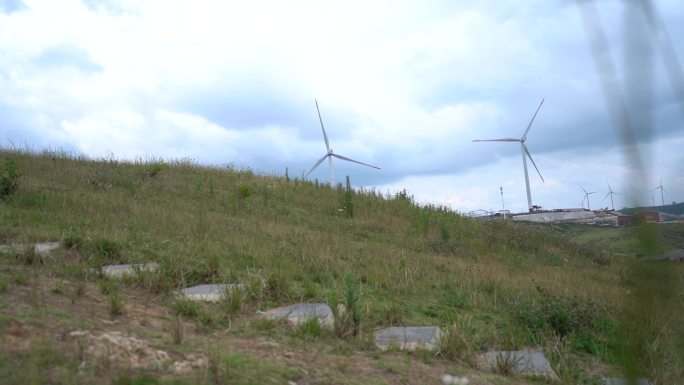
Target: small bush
x=9, y=179
x=311, y=329
x=244, y=191
x=186, y=308
x=116, y=304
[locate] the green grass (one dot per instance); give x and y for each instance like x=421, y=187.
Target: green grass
x=494, y=283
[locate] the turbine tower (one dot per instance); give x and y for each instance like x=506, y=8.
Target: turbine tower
x=525, y=154
x=586, y=197
x=611, y=193
x=329, y=154
x=660, y=186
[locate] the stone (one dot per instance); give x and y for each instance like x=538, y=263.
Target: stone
x=448, y=379
x=119, y=348
x=41, y=248
x=409, y=338
x=208, y=293
x=624, y=381
x=119, y=271
x=531, y=363
x=300, y=313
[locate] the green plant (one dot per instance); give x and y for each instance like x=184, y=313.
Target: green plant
x=116, y=303
x=9, y=178
x=20, y=279
x=454, y=344
x=506, y=363
x=4, y=285
x=186, y=308
x=311, y=329
x=347, y=199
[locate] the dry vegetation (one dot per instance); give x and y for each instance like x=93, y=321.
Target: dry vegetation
x=490, y=284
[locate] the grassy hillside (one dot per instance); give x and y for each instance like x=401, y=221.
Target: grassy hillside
x=491, y=284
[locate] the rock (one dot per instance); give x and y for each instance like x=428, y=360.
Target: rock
x=624, y=381
x=300, y=313
x=208, y=293
x=521, y=362
x=119, y=348
x=41, y=248
x=119, y=271
x=448, y=379
x=409, y=338
x=188, y=365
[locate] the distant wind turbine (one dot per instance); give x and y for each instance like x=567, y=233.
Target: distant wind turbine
x=611, y=193
x=525, y=154
x=660, y=186
x=330, y=153
x=586, y=197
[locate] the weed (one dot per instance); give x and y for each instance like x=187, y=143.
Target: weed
x=311, y=329
x=9, y=179
x=80, y=289
x=58, y=288
x=107, y=285
x=116, y=303
x=177, y=330
x=507, y=363
x=454, y=345
x=29, y=256
x=233, y=300
x=186, y=308
x=244, y=191
x=347, y=200
x=19, y=279
x=107, y=248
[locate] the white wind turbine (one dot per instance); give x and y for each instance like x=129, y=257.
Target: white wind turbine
x=660, y=186
x=586, y=197
x=611, y=193
x=330, y=153
x=525, y=154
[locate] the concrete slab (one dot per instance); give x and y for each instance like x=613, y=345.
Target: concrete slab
x=300, y=313
x=208, y=293
x=624, y=381
x=41, y=248
x=409, y=338
x=523, y=362
x=119, y=271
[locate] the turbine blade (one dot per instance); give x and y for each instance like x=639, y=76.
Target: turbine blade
x=534, y=164
x=316, y=165
x=498, y=140
x=325, y=136
x=352, y=160
x=604, y=198
x=585, y=191
x=535, y=115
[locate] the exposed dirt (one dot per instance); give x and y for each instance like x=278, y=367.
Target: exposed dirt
x=77, y=321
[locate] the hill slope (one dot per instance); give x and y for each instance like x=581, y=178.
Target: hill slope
x=490, y=284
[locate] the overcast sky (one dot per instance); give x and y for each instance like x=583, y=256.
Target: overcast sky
x=404, y=85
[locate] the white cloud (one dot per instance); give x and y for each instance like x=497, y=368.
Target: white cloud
x=403, y=85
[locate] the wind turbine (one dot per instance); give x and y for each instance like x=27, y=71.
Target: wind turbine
x=524, y=152
x=330, y=153
x=660, y=186
x=586, y=197
x=611, y=193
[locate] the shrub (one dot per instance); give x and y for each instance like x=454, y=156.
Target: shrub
x=9, y=179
